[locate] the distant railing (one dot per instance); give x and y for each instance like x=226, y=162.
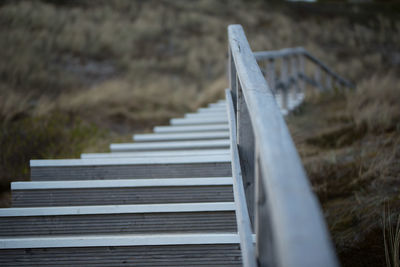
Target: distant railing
x=272, y=193
x=287, y=75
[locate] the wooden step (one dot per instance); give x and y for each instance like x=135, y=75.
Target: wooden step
x=180, y=136
x=198, y=121
x=217, y=105
x=128, y=250
x=206, y=115
x=169, y=153
x=130, y=168
x=123, y=219
x=212, y=110
x=177, y=145
x=118, y=192
x=192, y=128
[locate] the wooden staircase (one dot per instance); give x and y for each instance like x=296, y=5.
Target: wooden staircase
x=221, y=187
x=164, y=200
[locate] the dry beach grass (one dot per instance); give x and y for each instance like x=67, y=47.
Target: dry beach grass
x=76, y=75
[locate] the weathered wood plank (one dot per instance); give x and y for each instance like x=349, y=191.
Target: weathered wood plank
x=157, y=146
x=180, y=136
x=198, y=121
x=296, y=220
x=121, y=183
x=242, y=215
x=170, y=153
x=127, y=161
x=212, y=110
x=118, y=240
x=206, y=115
x=81, y=196
x=138, y=256
x=133, y=171
x=191, y=129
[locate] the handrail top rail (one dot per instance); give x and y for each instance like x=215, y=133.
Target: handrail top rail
x=272, y=54
x=300, y=235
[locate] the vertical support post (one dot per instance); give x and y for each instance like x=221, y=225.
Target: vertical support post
x=328, y=81
x=284, y=79
x=293, y=76
x=301, y=74
x=232, y=79
x=245, y=140
x=317, y=77
x=265, y=249
x=271, y=74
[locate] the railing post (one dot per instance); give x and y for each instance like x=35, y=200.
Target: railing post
x=232, y=79
x=245, y=140
x=317, y=77
x=301, y=74
x=294, y=75
x=284, y=79
x=271, y=74
x=328, y=81
x=265, y=251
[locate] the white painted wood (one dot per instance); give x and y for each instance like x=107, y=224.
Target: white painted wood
x=180, y=136
x=245, y=145
x=198, y=121
x=271, y=74
x=126, y=161
x=219, y=104
x=300, y=237
x=118, y=240
x=317, y=77
x=265, y=55
x=121, y=183
x=284, y=78
x=191, y=129
x=328, y=82
x=301, y=73
x=207, y=144
x=242, y=215
x=117, y=209
x=292, y=103
x=144, y=154
x=221, y=115
x=213, y=109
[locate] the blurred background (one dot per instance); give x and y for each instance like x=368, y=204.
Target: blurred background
x=78, y=75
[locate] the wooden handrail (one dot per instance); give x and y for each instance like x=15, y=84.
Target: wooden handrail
x=287, y=220
x=299, y=54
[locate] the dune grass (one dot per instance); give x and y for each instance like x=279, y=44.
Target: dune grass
x=350, y=146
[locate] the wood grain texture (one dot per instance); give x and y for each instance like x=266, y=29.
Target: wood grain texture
x=171, y=256
x=146, y=154
x=141, y=171
x=298, y=227
x=121, y=196
x=191, y=129
x=118, y=223
x=242, y=214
